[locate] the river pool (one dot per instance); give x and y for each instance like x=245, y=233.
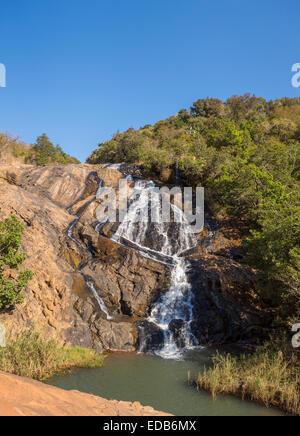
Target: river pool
x=159, y=383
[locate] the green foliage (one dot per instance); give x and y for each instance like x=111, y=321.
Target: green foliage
x=44, y=153
x=12, y=284
x=208, y=108
x=246, y=153
x=29, y=355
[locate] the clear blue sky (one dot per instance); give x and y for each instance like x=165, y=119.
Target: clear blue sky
x=81, y=70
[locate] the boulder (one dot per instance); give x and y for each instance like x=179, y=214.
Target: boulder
x=151, y=337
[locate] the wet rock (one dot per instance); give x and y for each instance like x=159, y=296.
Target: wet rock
x=151, y=337
x=177, y=327
x=226, y=303
x=115, y=336
x=131, y=170
x=128, y=282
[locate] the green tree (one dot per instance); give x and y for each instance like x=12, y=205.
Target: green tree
x=45, y=153
x=209, y=107
x=12, y=284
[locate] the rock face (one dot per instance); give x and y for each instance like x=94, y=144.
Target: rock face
x=58, y=299
x=226, y=304
x=24, y=397
x=90, y=291
x=49, y=296
x=151, y=337
x=127, y=282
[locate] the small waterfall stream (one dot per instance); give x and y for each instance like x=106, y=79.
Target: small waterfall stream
x=99, y=300
x=70, y=233
x=169, y=240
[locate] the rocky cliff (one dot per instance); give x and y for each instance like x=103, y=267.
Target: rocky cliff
x=90, y=291
x=58, y=299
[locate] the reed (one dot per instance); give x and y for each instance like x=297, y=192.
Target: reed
x=29, y=355
x=269, y=376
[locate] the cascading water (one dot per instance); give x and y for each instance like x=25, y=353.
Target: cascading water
x=175, y=305
x=168, y=240
x=99, y=300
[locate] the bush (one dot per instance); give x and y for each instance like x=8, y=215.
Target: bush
x=12, y=285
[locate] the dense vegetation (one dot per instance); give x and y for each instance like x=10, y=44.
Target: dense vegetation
x=29, y=355
x=246, y=153
x=270, y=376
x=43, y=152
x=12, y=282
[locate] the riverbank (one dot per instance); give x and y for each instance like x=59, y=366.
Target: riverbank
x=24, y=397
x=270, y=376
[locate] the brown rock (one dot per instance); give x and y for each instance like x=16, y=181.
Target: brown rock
x=24, y=397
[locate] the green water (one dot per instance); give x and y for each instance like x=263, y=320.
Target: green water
x=159, y=383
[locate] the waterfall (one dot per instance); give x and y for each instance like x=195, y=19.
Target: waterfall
x=70, y=232
x=173, y=313
x=175, y=306
x=99, y=300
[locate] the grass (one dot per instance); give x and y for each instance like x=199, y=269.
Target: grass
x=270, y=376
x=29, y=355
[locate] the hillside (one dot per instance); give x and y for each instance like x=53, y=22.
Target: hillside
x=246, y=153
